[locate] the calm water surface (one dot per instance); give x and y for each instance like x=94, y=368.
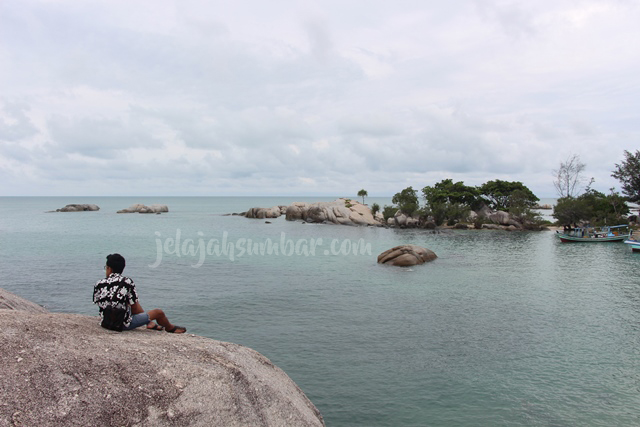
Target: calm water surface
x=503, y=329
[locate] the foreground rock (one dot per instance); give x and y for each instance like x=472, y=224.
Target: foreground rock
x=79, y=208
x=9, y=301
x=138, y=208
x=406, y=255
x=65, y=370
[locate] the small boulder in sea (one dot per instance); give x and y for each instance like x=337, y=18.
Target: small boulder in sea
x=139, y=208
x=79, y=208
x=406, y=255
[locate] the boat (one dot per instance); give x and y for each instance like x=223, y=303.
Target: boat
x=588, y=234
x=635, y=245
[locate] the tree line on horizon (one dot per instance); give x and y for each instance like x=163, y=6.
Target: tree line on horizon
x=452, y=202
x=576, y=205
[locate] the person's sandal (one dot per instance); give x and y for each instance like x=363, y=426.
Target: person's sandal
x=156, y=327
x=177, y=330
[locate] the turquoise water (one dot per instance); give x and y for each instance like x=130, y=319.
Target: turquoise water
x=503, y=329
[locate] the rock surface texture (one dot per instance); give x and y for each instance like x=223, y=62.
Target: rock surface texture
x=65, y=370
x=402, y=220
x=273, y=212
x=138, y=208
x=79, y=208
x=406, y=255
x=340, y=211
x=9, y=301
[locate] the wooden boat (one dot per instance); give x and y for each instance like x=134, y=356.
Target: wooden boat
x=635, y=245
x=588, y=234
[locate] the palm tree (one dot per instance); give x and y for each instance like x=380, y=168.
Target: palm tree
x=362, y=193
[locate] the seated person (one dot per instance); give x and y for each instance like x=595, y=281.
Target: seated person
x=119, y=291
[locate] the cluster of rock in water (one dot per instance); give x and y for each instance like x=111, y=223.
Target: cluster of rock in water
x=351, y=212
x=136, y=208
x=340, y=211
x=78, y=208
x=347, y=212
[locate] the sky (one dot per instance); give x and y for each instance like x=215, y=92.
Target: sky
x=250, y=98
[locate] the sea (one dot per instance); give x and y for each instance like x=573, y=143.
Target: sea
x=502, y=329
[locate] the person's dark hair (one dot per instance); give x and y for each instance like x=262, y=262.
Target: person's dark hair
x=116, y=262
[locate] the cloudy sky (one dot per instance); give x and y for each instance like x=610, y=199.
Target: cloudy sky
x=312, y=97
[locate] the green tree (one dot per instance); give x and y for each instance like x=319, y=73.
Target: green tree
x=375, y=208
x=569, y=210
x=520, y=207
x=593, y=207
x=407, y=201
x=389, y=212
x=498, y=194
x=628, y=173
x=363, y=193
x=604, y=209
x=449, y=201
x=446, y=191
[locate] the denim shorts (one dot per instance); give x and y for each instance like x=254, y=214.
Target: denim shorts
x=137, y=320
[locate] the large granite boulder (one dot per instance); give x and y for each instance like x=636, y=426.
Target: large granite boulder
x=65, y=370
x=261, y=213
x=79, y=208
x=402, y=220
x=9, y=301
x=406, y=255
x=340, y=211
x=139, y=208
x=496, y=217
x=502, y=218
x=296, y=211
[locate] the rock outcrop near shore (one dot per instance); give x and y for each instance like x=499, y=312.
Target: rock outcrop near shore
x=261, y=213
x=79, y=208
x=406, y=256
x=350, y=212
x=65, y=370
x=340, y=211
x=139, y=208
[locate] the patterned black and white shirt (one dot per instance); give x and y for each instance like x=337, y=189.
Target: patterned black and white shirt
x=115, y=291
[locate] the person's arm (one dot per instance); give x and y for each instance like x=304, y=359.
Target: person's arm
x=132, y=296
x=136, y=308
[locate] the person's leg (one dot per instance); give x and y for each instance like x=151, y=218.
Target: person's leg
x=159, y=316
x=137, y=320
x=137, y=309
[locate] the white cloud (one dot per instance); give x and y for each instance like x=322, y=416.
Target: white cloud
x=206, y=97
